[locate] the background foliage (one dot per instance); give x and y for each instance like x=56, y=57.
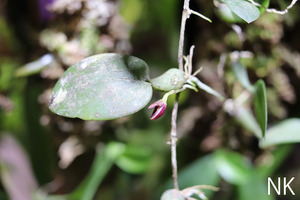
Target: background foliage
x=59, y=158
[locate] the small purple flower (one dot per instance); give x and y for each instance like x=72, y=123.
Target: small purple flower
x=159, y=109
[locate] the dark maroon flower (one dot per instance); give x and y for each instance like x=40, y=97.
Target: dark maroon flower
x=159, y=109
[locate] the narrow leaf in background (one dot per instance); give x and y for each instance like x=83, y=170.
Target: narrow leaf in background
x=101, y=165
x=260, y=105
x=35, y=67
x=242, y=75
x=245, y=117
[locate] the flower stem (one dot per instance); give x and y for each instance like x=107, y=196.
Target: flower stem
x=165, y=97
x=185, y=16
x=174, y=141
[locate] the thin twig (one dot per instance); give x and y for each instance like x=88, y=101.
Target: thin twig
x=272, y=10
x=186, y=13
x=197, y=71
x=185, y=16
x=199, y=15
x=174, y=141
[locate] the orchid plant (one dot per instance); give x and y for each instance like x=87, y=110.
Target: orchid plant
x=109, y=86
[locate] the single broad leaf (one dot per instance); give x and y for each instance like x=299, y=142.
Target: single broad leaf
x=233, y=167
x=287, y=131
x=244, y=9
x=242, y=75
x=260, y=105
x=102, y=87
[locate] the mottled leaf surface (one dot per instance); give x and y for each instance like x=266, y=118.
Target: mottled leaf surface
x=102, y=87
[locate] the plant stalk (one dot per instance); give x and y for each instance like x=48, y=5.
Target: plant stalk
x=185, y=16
x=174, y=141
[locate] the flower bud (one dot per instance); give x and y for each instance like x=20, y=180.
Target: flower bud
x=159, y=109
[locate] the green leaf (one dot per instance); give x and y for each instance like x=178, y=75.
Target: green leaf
x=35, y=66
x=287, y=131
x=134, y=159
x=130, y=158
x=101, y=165
x=232, y=167
x=206, y=88
x=260, y=105
x=242, y=75
x=265, y=4
x=247, y=120
x=7, y=69
x=3, y=195
x=227, y=15
x=255, y=185
x=201, y=172
x=132, y=10
x=102, y=87
x=115, y=149
x=243, y=9
x=173, y=79
x=40, y=195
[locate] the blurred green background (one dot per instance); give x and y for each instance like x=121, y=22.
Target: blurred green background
x=45, y=156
